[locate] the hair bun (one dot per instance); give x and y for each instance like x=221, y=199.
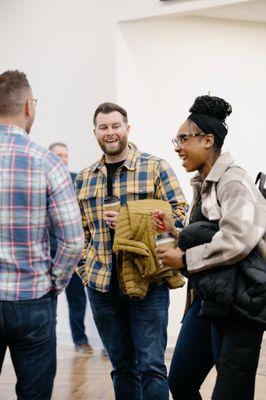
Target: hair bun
x=213, y=106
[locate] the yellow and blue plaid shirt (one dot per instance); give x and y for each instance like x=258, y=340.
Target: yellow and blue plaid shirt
x=141, y=176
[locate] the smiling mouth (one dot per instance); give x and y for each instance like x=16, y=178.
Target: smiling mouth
x=111, y=141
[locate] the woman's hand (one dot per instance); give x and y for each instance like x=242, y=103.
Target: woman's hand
x=163, y=223
x=170, y=257
x=111, y=218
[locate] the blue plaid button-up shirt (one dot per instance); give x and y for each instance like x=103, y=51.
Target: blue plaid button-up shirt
x=34, y=187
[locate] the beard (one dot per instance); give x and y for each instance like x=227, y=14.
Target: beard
x=113, y=150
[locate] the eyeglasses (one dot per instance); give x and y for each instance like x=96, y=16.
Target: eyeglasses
x=183, y=138
x=34, y=101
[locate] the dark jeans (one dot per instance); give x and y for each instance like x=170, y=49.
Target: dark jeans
x=232, y=345
x=238, y=361
x=28, y=328
x=193, y=356
x=76, y=298
x=134, y=333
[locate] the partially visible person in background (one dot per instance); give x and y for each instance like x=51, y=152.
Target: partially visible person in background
x=35, y=187
x=75, y=291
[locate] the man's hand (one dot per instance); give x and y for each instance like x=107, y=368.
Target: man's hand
x=170, y=257
x=111, y=218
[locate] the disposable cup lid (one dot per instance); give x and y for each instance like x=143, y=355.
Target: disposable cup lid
x=165, y=236
x=111, y=199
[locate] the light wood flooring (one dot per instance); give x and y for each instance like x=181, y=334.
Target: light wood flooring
x=81, y=377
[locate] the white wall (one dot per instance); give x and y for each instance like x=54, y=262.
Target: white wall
x=76, y=56
x=67, y=49
x=163, y=64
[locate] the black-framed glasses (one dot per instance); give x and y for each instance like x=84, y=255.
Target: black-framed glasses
x=183, y=138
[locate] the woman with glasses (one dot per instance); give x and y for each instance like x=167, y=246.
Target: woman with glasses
x=223, y=195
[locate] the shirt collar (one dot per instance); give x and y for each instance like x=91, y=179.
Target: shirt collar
x=130, y=162
x=12, y=129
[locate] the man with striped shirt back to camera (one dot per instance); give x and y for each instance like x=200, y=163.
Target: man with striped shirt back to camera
x=35, y=187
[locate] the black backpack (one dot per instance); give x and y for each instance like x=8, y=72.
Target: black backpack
x=261, y=178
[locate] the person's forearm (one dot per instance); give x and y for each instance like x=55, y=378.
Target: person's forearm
x=67, y=256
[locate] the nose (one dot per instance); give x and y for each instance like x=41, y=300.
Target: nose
x=177, y=147
x=110, y=135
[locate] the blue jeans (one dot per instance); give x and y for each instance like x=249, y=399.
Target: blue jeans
x=134, y=333
x=197, y=349
x=77, y=299
x=28, y=328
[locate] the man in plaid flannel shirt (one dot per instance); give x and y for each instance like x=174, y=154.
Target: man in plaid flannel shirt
x=134, y=332
x=35, y=187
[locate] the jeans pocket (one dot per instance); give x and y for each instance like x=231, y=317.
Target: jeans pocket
x=35, y=319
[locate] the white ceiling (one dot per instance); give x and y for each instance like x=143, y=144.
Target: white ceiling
x=245, y=10
x=254, y=10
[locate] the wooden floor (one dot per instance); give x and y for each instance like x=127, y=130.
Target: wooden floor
x=81, y=377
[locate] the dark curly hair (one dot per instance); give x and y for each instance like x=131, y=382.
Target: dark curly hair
x=215, y=107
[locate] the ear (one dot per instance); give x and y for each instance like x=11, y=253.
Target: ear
x=27, y=108
x=209, y=140
x=128, y=129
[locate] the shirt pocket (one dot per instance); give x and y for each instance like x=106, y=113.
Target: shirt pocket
x=91, y=205
x=140, y=192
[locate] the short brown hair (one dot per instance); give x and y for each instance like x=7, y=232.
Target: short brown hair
x=107, y=108
x=12, y=86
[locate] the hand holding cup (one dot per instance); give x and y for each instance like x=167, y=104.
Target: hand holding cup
x=111, y=206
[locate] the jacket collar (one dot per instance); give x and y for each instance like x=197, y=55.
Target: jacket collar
x=217, y=171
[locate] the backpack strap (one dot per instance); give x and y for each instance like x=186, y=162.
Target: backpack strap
x=261, y=179
x=258, y=178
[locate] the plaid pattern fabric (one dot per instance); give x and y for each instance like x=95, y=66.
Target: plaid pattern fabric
x=229, y=196
x=34, y=186
x=142, y=176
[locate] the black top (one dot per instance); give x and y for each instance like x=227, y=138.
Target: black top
x=111, y=170
x=196, y=214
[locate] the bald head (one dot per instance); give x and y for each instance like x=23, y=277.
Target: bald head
x=61, y=150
